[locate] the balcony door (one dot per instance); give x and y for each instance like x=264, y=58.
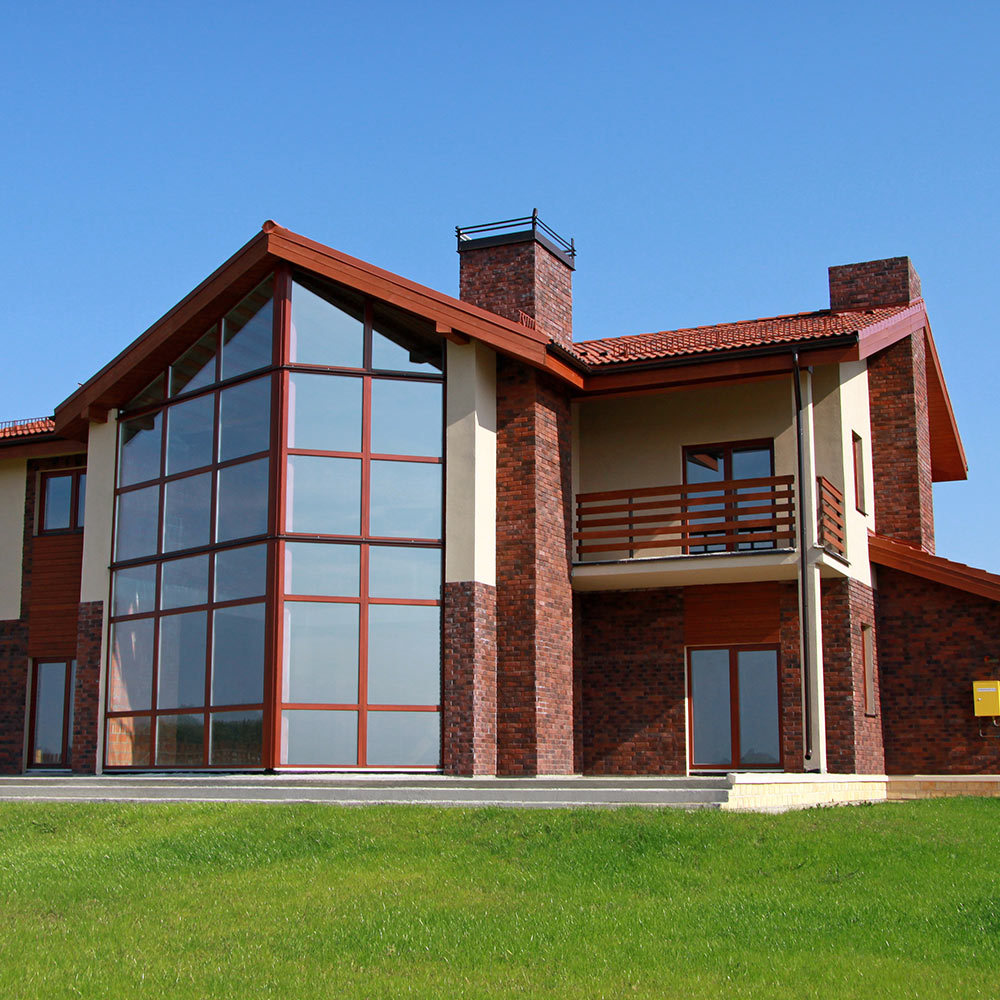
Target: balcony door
x=51, y=702
x=733, y=704
x=724, y=509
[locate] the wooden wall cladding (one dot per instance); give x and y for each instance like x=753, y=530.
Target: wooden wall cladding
x=54, y=599
x=732, y=614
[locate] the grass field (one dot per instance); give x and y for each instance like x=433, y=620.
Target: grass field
x=301, y=901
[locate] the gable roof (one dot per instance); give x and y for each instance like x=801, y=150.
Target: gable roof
x=791, y=329
x=890, y=552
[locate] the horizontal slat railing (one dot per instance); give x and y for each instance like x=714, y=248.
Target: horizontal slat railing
x=731, y=516
x=831, y=517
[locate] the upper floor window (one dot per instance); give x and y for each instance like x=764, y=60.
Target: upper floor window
x=858, y=452
x=63, y=500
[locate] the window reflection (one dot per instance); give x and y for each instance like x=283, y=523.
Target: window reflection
x=247, y=333
x=326, y=326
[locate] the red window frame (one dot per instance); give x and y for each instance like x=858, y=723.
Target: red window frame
x=77, y=495
x=858, y=456
x=868, y=667
x=69, y=664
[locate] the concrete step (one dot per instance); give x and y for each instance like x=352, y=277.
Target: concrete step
x=686, y=793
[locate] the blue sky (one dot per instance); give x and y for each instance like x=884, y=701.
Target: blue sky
x=711, y=160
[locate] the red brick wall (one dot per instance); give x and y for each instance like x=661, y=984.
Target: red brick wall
x=853, y=738
x=13, y=693
x=469, y=668
x=520, y=276
x=901, y=449
x=933, y=642
x=873, y=283
x=790, y=680
x=534, y=597
x=90, y=623
x=632, y=678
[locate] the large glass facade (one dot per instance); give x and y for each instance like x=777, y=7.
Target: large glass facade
x=277, y=556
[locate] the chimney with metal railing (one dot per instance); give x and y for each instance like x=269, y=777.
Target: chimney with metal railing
x=521, y=270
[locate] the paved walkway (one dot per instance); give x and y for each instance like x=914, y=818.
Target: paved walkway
x=353, y=790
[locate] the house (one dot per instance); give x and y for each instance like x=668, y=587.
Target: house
x=320, y=516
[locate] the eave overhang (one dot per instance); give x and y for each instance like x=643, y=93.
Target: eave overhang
x=898, y=555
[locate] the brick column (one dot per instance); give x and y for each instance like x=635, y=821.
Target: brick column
x=534, y=596
x=86, y=710
x=13, y=693
x=790, y=679
x=901, y=445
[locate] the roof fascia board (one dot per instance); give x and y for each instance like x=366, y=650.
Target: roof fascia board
x=897, y=555
x=948, y=461
x=887, y=332
x=42, y=449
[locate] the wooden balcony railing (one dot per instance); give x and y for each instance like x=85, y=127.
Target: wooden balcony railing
x=737, y=515
x=830, y=517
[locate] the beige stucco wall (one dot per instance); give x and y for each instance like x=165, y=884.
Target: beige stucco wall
x=99, y=511
x=638, y=441
x=471, y=469
x=13, y=472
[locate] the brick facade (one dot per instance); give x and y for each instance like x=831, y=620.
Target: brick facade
x=469, y=679
x=901, y=444
x=934, y=641
x=86, y=709
x=520, y=277
x=853, y=736
x=872, y=284
x=534, y=597
x=790, y=678
x=13, y=694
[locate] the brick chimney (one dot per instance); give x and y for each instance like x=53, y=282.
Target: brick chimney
x=521, y=270
x=873, y=284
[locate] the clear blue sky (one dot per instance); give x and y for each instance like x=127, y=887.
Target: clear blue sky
x=711, y=161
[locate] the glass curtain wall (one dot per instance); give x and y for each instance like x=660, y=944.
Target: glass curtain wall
x=277, y=556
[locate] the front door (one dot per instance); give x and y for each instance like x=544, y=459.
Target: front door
x=49, y=739
x=733, y=700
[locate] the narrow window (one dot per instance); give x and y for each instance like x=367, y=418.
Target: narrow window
x=868, y=666
x=63, y=496
x=859, y=473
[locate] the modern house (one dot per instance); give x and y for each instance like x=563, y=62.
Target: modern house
x=320, y=516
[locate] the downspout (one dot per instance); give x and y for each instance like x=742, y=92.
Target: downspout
x=803, y=588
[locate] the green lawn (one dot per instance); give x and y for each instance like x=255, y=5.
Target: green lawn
x=318, y=901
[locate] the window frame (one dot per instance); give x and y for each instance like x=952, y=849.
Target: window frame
x=78, y=495
x=868, y=670
x=69, y=684
x=860, y=481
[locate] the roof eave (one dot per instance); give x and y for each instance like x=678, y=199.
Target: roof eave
x=897, y=555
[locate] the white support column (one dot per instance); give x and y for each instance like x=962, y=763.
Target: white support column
x=811, y=617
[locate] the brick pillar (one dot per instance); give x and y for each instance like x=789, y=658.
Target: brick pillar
x=790, y=679
x=854, y=738
x=534, y=597
x=13, y=694
x=518, y=273
x=901, y=447
x=90, y=625
x=469, y=666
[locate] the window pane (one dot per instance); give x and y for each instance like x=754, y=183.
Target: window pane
x=405, y=500
x=187, y=512
x=138, y=523
x=406, y=417
x=245, y=419
x=58, y=502
x=403, y=343
x=242, y=500
x=128, y=742
x=398, y=739
x=50, y=713
x=404, y=655
x=712, y=723
x=751, y=463
x=131, y=680
x=196, y=367
x=238, y=655
x=322, y=570
x=139, y=453
x=184, y=582
x=321, y=653
x=181, y=667
x=81, y=500
x=317, y=737
x=241, y=573
x=404, y=572
x=324, y=412
x=134, y=591
x=327, y=326
x=246, y=333
x=236, y=739
x=757, y=677
x=153, y=393
x=190, y=431
x=180, y=740
x=324, y=495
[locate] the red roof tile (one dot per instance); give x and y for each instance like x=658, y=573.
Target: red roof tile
x=26, y=428
x=727, y=336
